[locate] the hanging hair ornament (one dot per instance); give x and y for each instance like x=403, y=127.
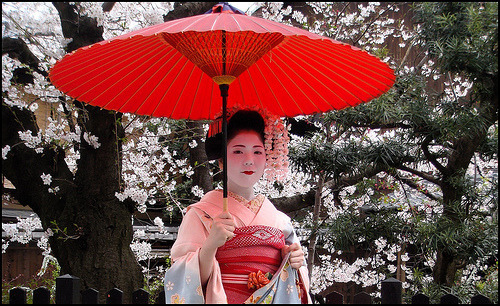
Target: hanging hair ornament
x=275, y=141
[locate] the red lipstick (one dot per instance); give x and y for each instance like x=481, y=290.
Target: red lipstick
x=248, y=172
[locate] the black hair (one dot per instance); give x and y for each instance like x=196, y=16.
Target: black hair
x=243, y=120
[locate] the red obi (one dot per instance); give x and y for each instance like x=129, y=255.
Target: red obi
x=253, y=248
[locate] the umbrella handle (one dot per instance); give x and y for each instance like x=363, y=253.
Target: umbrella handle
x=224, y=93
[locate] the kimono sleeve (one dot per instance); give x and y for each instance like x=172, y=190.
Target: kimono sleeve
x=182, y=279
x=290, y=238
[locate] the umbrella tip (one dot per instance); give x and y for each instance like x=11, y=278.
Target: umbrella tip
x=224, y=7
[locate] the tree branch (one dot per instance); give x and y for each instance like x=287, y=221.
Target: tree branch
x=294, y=203
x=423, y=175
x=16, y=48
x=82, y=29
x=399, y=125
x=298, y=202
x=107, y=6
x=425, y=148
x=368, y=26
x=187, y=9
x=411, y=184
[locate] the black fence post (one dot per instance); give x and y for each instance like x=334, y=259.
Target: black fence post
x=17, y=295
x=41, y=295
x=140, y=296
x=480, y=299
x=362, y=298
x=161, y=298
x=114, y=296
x=420, y=299
x=90, y=296
x=68, y=290
x=334, y=298
x=391, y=291
x=449, y=299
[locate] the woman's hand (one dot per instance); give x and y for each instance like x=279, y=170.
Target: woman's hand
x=222, y=230
x=296, y=254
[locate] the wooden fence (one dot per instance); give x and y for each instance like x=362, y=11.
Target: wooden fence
x=391, y=293
x=68, y=292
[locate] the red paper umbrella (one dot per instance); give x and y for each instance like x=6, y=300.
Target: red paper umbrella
x=175, y=69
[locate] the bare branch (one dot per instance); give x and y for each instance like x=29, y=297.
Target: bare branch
x=411, y=184
x=423, y=175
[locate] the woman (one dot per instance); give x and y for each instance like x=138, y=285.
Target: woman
x=249, y=254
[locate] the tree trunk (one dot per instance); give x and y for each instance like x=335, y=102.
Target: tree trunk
x=314, y=234
x=99, y=225
x=446, y=263
x=93, y=229
x=198, y=157
x=104, y=259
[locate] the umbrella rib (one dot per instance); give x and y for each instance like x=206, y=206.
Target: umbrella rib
x=241, y=90
x=143, y=83
x=256, y=91
x=158, y=84
x=193, y=23
x=115, y=72
x=279, y=25
x=299, y=87
x=287, y=91
x=372, y=68
x=347, y=80
x=258, y=24
x=237, y=23
x=74, y=67
x=299, y=59
x=354, y=59
x=270, y=87
x=132, y=70
x=155, y=29
x=178, y=97
x=195, y=94
x=215, y=21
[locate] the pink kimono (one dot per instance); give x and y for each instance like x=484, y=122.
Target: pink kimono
x=260, y=234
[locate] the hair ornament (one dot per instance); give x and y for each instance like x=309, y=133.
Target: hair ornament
x=276, y=140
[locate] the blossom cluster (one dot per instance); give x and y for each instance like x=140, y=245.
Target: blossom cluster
x=21, y=232
x=141, y=249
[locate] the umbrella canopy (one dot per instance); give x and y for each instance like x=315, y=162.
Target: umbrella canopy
x=173, y=69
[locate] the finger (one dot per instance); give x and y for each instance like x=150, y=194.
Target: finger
x=229, y=236
x=229, y=228
x=227, y=221
x=296, y=259
x=296, y=262
x=285, y=249
x=225, y=215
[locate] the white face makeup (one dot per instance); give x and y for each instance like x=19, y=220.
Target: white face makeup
x=246, y=162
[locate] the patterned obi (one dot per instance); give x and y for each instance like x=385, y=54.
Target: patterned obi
x=253, y=248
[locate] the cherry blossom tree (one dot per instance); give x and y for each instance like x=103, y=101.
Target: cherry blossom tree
x=389, y=177
x=437, y=141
